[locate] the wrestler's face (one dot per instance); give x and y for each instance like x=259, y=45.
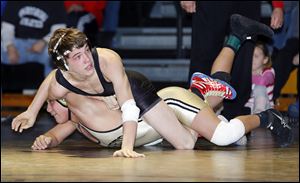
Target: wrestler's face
x=59, y=112
x=259, y=59
x=80, y=61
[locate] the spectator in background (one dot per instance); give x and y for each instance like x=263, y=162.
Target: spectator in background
x=263, y=77
x=286, y=46
x=111, y=16
x=293, y=109
x=87, y=16
x=286, y=55
x=209, y=28
x=3, y=4
x=110, y=22
x=26, y=29
x=94, y=7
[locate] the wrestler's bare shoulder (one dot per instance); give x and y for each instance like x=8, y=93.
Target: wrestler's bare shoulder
x=56, y=90
x=108, y=54
x=110, y=62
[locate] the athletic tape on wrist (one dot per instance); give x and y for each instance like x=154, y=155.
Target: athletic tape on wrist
x=130, y=112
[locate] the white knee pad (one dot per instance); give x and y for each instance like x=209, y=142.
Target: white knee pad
x=227, y=133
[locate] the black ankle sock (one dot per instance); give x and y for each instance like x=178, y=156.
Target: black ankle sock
x=233, y=42
x=223, y=76
x=263, y=117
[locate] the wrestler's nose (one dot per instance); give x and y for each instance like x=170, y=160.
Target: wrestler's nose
x=86, y=58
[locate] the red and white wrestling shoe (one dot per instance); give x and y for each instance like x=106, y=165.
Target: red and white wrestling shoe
x=208, y=86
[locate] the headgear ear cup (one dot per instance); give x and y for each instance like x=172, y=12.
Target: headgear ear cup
x=60, y=61
x=58, y=56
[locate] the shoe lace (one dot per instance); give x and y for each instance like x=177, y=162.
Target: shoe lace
x=211, y=87
x=284, y=122
x=293, y=122
x=217, y=89
x=216, y=93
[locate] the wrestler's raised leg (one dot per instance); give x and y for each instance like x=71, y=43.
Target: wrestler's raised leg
x=242, y=29
x=185, y=104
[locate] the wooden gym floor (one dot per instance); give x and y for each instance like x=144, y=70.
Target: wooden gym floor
x=78, y=159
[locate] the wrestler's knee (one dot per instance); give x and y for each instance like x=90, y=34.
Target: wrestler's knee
x=185, y=145
x=228, y=133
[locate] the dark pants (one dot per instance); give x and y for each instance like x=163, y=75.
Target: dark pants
x=283, y=65
x=210, y=26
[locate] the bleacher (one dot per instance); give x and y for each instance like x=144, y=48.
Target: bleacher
x=18, y=86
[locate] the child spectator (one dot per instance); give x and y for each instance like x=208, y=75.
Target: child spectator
x=263, y=77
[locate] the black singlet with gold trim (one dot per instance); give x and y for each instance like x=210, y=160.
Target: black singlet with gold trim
x=107, y=86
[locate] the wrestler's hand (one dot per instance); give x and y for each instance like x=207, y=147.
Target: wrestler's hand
x=23, y=121
x=127, y=153
x=41, y=142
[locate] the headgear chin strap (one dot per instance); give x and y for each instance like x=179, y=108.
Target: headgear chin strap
x=65, y=64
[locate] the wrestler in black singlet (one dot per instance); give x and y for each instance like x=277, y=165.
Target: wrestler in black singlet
x=143, y=90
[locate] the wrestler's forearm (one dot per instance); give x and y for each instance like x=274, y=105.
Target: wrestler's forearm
x=129, y=135
x=41, y=95
x=54, y=141
x=60, y=132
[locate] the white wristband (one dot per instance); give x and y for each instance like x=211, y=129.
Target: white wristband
x=130, y=112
